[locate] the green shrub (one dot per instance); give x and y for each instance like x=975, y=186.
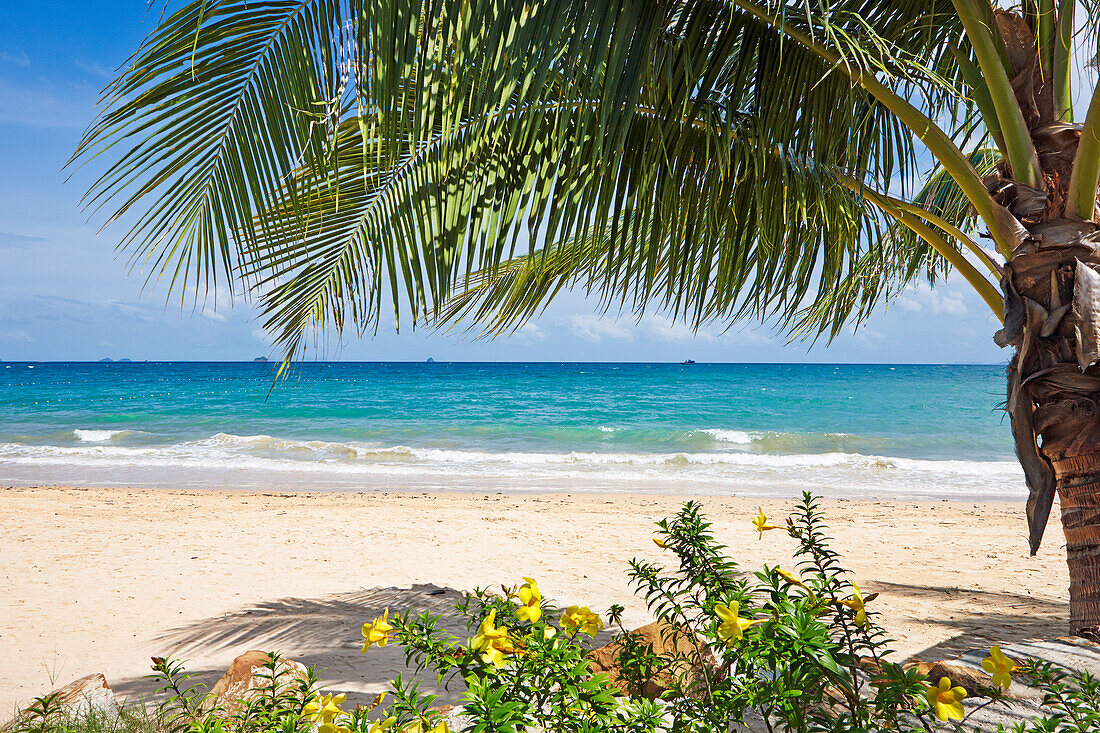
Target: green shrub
x=796, y=651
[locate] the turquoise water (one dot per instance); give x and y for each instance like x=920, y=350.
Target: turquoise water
x=759, y=429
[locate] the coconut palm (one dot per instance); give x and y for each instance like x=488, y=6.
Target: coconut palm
x=797, y=162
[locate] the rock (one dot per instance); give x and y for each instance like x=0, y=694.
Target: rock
x=454, y=717
x=83, y=698
x=241, y=683
x=605, y=659
x=1070, y=653
x=974, y=680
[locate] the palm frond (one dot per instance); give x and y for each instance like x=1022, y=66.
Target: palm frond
x=214, y=110
x=941, y=196
x=347, y=159
x=832, y=292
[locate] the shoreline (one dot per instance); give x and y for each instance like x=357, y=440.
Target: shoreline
x=552, y=488
x=99, y=579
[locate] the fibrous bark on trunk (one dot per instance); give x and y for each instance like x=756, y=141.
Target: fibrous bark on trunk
x=1052, y=297
x=1052, y=317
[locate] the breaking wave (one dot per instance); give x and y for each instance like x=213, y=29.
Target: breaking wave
x=98, y=436
x=223, y=458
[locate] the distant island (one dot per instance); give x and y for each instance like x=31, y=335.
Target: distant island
x=430, y=360
x=260, y=360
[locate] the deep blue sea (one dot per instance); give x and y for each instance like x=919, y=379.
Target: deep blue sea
x=748, y=429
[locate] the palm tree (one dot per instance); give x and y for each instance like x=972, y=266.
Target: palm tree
x=343, y=160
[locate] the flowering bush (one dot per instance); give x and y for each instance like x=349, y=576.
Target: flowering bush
x=793, y=650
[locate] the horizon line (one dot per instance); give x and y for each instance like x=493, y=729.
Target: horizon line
x=439, y=361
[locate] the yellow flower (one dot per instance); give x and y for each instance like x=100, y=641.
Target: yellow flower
x=945, y=700
x=732, y=627
x=579, y=619
x=660, y=543
x=760, y=521
x=493, y=641
x=324, y=709
x=377, y=632
x=417, y=726
x=332, y=728
x=856, y=603
x=530, y=599
x=381, y=726
x=790, y=577
x=1000, y=666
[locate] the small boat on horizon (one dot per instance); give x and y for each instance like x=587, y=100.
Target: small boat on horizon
x=688, y=361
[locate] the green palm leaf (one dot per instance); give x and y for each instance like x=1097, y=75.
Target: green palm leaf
x=346, y=159
x=219, y=104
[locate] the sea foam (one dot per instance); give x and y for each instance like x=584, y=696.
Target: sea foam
x=97, y=436
x=223, y=458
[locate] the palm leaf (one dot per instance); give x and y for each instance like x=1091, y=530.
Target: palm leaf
x=347, y=159
x=218, y=105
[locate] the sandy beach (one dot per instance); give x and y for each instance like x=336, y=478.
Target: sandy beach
x=99, y=580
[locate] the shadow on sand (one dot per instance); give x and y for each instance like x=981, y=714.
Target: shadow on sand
x=323, y=633
x=979, y=625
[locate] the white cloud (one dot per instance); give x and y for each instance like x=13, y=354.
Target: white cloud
x=657, y=328
x=594, y=328
x=133, y=311
x=40, y=103
x=934, y=300
x=529, y=332
x=19, y=59
x=11, y=239
x=95, y=68
x=746, y=336
x=869, y=338
x=260, y=335
x=211, y=303
x=16, y=335
x=666, y=329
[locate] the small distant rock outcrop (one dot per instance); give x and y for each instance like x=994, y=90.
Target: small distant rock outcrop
x=430, y=360
x=106, y=360
x=241, y=684
x=260, y=360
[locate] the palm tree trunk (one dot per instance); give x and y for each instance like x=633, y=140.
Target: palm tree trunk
x=1052, y=299
x=1052, y=316
x=1077, y=479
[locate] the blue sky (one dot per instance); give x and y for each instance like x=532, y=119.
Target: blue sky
x=64, y=294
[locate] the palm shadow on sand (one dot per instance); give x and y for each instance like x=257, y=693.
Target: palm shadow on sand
x=985, y=622
x=322, y=633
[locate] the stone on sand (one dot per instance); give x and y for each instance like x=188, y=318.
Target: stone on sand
x=85, y=697
x=663, y=643
x=1070, y=653
x=245, y=681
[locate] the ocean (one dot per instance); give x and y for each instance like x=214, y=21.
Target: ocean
x=840, y=430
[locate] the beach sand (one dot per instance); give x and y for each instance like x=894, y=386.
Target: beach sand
x=99, y=580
